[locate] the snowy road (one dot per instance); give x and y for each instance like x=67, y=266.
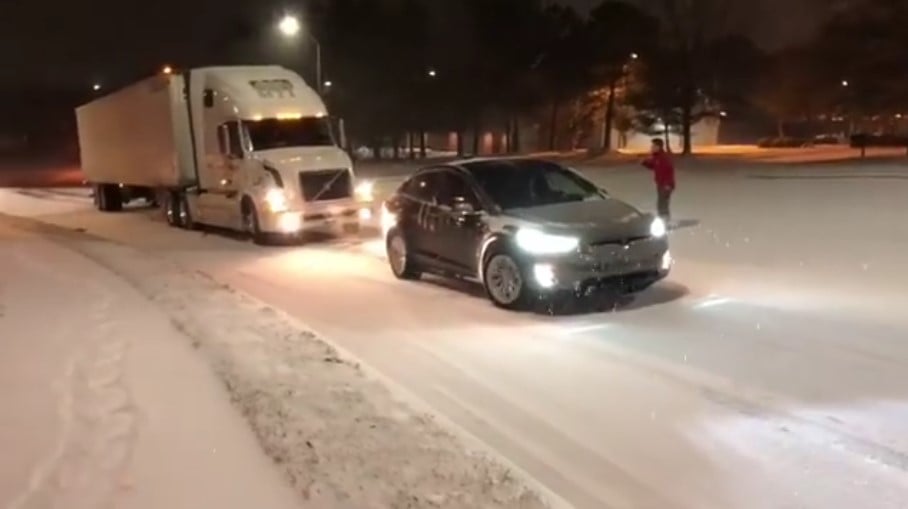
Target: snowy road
x=768, y=372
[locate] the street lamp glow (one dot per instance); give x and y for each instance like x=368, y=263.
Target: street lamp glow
x=844, y=83
x=96, y=87
x=634, y=56
x=167, y=70
x=289, y=26
x=432, y=73
x=329, y=84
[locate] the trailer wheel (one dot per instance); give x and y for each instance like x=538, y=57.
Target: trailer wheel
x=169, y=202
x=184, y=213
x=108, y=198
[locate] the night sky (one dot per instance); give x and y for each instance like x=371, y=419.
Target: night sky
x=78, y=41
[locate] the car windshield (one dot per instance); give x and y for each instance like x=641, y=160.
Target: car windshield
x=525, y=184
x=273, y=133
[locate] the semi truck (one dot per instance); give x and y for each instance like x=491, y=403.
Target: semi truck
x=247, y=148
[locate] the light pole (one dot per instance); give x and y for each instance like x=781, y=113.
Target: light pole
x=290, y=27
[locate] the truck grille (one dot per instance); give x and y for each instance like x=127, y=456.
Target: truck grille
x=326, y=185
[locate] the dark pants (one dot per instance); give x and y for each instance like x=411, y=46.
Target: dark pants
x=663, y=202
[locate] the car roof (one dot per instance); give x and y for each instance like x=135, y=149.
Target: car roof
x=497, y=162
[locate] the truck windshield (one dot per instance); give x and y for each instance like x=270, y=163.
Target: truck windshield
x=273, y=133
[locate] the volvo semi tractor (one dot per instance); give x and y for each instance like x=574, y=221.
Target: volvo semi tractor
x=243, y=148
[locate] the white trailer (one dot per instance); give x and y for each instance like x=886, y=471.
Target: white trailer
x=244, y=148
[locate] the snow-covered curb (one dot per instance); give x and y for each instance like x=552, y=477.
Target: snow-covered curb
x=342, y=437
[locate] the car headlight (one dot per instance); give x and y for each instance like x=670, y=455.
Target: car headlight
x=658, y=228
x=276, y=200
x=365, y=191
x=537, y=242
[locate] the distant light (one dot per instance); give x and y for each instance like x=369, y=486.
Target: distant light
x=432, y=73
x=167, y=70
x=289, y=26
x=898, y=115
x=723, y=113
x=844, y=83
x=96, y=87
x=329, y=84
x=634, y=56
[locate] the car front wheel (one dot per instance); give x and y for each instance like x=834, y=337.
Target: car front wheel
x=400, y=258
x=506, y=283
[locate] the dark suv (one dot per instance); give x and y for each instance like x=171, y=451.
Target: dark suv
x=525, y=228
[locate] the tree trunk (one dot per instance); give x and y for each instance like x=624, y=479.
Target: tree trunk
x=411, y=146
x=666, y=133
x=515, y=142
x=396, y=148
x=509, y=129
x=686, y=121
x=460, y=151
x=609, y=117
x=477, y=135
x=422, y=144
x=553, y=127
x=780, y=128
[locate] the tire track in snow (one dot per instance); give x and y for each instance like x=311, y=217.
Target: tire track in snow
x=98, y=419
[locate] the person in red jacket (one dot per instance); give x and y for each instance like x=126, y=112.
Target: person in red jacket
x=664, y=174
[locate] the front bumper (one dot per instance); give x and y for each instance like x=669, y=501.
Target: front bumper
x=297, y=222
x=632, y=267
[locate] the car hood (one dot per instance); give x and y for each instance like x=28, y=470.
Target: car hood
x=593, y=221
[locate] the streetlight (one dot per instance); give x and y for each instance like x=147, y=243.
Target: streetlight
x=290, y=27
x=329, y=84
x=96, y=87
x=167, y=70
x=432, y=73
x=634, y=56
x=844, y=83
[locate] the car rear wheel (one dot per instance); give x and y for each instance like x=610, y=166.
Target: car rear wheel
x=505, y=282
x=400, y=258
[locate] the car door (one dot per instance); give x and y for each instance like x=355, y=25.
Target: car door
x=429, y=216
x=418, y=195
x=459, y=228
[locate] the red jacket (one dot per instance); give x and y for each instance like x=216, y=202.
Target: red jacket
x=663, y=169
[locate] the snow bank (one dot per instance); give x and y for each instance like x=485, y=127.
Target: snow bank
x=340, y=436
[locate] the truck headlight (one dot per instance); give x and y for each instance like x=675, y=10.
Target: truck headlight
x=537, y=242
x=657, y=228
x=365, y=191
x=276, y=199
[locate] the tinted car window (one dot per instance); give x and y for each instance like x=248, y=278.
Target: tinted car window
x=524, y=184
x=422, y=187
x=453, y=189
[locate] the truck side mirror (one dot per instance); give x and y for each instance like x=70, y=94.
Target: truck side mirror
x=341, y=131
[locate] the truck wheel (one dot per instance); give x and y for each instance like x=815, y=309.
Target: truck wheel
x=251, y=224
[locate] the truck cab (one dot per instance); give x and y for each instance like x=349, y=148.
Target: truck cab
x=267, y=157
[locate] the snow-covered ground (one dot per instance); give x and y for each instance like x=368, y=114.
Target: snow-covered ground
x=105, y=403
x=769, y=371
